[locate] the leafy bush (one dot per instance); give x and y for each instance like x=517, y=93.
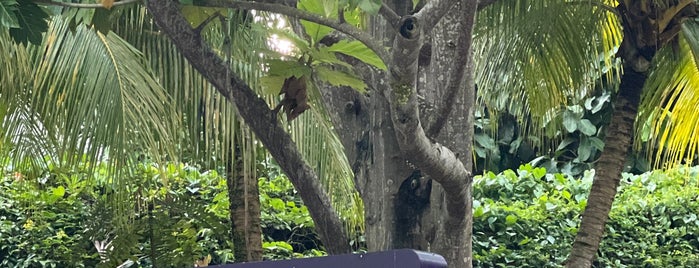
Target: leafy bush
x=287, y=227
x=529, y=218
x=67, y=218
x=41, y=224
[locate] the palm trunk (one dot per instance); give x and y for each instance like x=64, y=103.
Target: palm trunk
x=244, y=199
x=618, y=141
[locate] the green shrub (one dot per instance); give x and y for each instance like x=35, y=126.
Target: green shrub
x=529, y=218
x=41, y=224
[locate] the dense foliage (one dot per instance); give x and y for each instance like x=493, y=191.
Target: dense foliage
x=528, y=218
x=521, y=218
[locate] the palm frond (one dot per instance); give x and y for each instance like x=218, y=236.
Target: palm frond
x=534, y=57
x=668, y=118
x=92, y=94
x=315, y=136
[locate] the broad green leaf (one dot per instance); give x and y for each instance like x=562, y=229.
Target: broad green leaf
x=511, y=219
x=564, y=143
x=339, y=78
x=272, y=85
x=485, y=141
x=586, y=127
x=287, y=68
x=277, y=204
x=197, y=15
x=570, y=121
x=32, y=20
x=597, y=143
x=59, y=191
x=584, y=149
x=359, y=51
x=370, y=6
x=539, y=173
x=8, y=19
x=315, y=31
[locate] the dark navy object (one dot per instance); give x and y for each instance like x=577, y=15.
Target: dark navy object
x=401, y=258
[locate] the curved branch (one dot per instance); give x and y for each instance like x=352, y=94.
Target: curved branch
x=257, y=116
x=434, y=11
x=434, y=159
x=82, y=5
x=350, y=30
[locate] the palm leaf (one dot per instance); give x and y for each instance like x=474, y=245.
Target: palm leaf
x=92, y=94
x=534, y=57
x=668, y=106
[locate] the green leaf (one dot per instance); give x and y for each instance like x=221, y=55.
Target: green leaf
x=359, y=51
x=539, y=173
x=597, y=143
x=584, y=149
x=287, y=68
x=339, y=78
x=511, y=219
x=197, y=15
x=272, y=85
x=485, y=141
x=32, y=21
x=277, y=204
x=8, y=19
x=586, y=127
x=315, y=31
x=59, y=191
x=564, y=143
x=370, y=6
x=570, y=121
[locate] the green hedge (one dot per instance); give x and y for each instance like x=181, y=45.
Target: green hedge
x=522, y=218
x=529, y=218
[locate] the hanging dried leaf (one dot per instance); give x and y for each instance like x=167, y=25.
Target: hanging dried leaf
x=295, y=100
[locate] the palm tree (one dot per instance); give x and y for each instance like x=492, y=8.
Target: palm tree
x=129, y=88
x=551, y=52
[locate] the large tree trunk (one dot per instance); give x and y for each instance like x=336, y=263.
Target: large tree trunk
x=618, y=142
x=405, y=208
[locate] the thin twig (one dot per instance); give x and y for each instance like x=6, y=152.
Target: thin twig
x=82, y=5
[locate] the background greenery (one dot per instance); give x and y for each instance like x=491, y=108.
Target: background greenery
x=524, y=217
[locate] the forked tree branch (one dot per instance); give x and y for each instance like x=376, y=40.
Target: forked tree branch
x=257, y=116
x=432, y=158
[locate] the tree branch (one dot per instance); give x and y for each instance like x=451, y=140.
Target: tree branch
x=389, y=15
x=82, y=5
x=434, y=11
x=350, y=30
x=462, y=53
x=434, y=159
x=257, y=116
